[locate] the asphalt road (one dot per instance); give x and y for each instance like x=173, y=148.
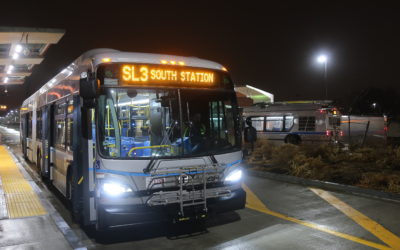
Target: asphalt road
x=278, y=215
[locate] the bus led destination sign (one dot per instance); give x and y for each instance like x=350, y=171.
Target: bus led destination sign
x=132, y=74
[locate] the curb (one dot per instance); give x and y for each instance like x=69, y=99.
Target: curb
x=327, y=185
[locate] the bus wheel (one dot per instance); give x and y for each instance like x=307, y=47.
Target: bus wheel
x=293, y=139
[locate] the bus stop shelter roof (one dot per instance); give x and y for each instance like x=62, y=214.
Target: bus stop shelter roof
x=257, y=95
x=21, y=49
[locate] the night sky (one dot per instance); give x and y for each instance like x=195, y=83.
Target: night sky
x=267, y=46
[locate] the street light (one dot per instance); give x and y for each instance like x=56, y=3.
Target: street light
x=324, y=59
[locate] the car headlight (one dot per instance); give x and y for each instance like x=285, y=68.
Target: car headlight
x=235, y=175
x=115, y=189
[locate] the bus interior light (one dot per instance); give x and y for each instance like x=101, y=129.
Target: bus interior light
x=181, y=63
x=224, y=69
x=172, y=62
x=106, y=59
x=164, y=61
x=10, y=69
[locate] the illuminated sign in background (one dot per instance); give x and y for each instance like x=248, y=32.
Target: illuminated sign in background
x=3, y=107
x=141, y=74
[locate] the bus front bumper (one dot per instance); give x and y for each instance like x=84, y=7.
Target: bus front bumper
x=117, y=216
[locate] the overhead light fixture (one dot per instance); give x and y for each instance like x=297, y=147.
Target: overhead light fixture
x=15, y=56
x=6, y=80
x=18, y=48
x=10, y=69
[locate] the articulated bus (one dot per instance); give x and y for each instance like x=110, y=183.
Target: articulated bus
x=112, y=133
x=296, y=122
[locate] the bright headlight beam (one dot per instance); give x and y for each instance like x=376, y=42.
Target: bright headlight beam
x=115, y=189
x=234, y=176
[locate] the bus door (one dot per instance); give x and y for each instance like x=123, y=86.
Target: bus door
x=47, y=135
x=60, y=158
x=24, y=133
x=84, y=149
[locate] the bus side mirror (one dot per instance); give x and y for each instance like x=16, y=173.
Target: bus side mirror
x=88, y=86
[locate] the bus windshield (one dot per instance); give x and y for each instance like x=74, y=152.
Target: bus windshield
x=166, y=123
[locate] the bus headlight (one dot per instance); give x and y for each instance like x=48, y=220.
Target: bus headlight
x=235, y=175
x=115, y=189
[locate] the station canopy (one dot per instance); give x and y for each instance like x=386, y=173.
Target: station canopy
x=248, y=95
x=23, y=48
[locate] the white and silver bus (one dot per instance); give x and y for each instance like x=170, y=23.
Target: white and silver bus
x=110, y=133
x=295, y=122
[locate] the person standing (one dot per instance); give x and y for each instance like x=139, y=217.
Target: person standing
x=250, y=134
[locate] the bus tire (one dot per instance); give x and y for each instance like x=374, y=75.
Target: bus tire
x=293, y=139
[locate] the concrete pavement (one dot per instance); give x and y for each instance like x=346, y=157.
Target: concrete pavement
x=278, y=215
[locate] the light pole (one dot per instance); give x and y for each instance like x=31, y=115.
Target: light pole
x=324, y=59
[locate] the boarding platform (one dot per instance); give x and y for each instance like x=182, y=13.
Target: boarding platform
x=25, y=223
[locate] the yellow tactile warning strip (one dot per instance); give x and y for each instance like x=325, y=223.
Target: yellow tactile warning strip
x=368, y=224
x=21, y=199
x=253, y=202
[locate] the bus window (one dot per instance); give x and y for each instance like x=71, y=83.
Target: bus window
x=60, y=134
x=274, y=123
x=221, y=121
x=215, y=116
x=29, y=129
x=60, y=126
x=288, y=123
x=258, y=123
x=147, y=123
x=306, y=123
x=134, y=123
x=69, y=135
x=334, y=121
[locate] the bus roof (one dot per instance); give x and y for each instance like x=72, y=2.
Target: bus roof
x=151, y=58
x=288, y=106
x=96, y=56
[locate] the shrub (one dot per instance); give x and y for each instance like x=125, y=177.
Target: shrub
x=372, y=167
x=281, y=156
x=381, y=181
x=394, y=183
x=304, y=166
